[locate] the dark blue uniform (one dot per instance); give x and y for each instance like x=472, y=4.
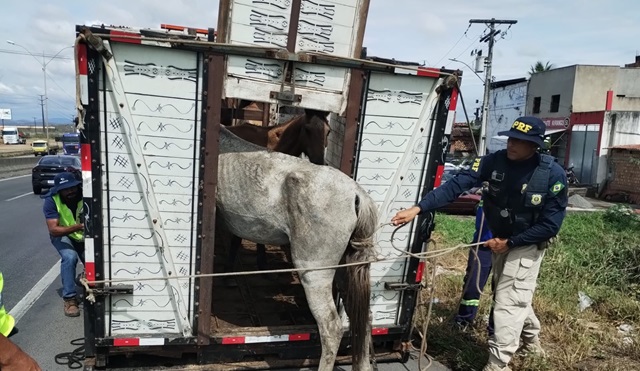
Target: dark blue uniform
x=547, y=220
x=474, y=280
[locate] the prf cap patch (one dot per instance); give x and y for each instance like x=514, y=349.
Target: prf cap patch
x=556, y=188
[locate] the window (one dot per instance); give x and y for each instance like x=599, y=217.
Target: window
x=555, y=103
x=536, y=105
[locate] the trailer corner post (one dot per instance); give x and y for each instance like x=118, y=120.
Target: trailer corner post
x=215, y=77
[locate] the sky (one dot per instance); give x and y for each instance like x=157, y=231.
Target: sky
x=563, y=32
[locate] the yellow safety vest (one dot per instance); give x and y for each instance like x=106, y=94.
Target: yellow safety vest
x=67, y=218
x=6, y=321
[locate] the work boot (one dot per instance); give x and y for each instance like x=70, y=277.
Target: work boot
x=533, y=348
x=494, y=367
x=71, y=308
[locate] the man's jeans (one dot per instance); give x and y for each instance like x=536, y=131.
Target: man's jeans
x=69, y=251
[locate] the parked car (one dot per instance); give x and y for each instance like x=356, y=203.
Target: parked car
x=46, y=169
x=465, y=204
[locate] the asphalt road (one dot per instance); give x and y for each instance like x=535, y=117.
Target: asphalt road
x=31, y=270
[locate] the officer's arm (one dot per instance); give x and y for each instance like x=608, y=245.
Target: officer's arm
x=553, y=212
x=448, y=192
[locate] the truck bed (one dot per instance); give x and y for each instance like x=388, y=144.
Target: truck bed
x=264, y=300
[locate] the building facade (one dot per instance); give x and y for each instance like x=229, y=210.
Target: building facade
x=507, y=102
x=581, y=104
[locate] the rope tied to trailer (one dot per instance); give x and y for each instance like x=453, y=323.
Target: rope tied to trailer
x=403, y=254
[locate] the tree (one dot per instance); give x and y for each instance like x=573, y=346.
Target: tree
x=540, y=67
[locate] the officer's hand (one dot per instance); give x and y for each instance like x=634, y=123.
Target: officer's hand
x=19, y=361
x=405, y=216
x=497, y=245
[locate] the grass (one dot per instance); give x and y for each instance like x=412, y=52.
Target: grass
x=597, y=254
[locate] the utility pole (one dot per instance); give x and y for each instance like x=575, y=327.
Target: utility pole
x=44, y=127
x=490, y=37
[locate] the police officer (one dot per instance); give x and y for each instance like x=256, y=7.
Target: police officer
x=525, y=199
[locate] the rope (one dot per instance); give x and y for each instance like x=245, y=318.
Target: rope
x=73, y=359
x=423, y=255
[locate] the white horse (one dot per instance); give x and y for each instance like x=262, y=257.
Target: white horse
x=326, y=217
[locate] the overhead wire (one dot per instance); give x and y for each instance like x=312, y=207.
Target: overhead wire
x=454, y=45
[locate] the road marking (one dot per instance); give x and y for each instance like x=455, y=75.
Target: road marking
x=15, y=177
x=17, y=197
x=20, y=309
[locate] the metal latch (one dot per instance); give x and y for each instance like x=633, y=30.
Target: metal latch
x=286, y=96
x=113, y=290
x=402, y=286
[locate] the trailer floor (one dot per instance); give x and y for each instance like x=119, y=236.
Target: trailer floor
x=263, y=300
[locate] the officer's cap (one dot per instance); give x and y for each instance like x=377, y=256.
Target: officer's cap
x=527, y=128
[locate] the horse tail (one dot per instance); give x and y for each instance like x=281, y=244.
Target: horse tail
x=357, y=290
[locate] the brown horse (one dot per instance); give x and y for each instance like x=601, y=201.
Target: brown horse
x=306, y=134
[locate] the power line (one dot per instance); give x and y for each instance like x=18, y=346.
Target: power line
x=454, y=45
x=467, y=48
x=58, y=85
x=18, y=52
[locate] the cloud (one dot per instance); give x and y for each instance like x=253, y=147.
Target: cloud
x=4, y=89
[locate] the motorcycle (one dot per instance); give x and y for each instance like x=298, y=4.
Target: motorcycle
x=571, y=176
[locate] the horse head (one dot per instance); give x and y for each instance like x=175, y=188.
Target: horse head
x=314, y=137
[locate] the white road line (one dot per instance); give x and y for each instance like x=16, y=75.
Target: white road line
x=17, y=197
x=35, y=293
x=15, y=177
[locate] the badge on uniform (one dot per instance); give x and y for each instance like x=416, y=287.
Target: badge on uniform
x=557, y=187
x=536, y=199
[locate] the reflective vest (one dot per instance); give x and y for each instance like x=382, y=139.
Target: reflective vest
x=6, y=321
x=67, y=218
x=511, y=214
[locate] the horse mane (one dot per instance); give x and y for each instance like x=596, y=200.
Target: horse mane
x=230, y=142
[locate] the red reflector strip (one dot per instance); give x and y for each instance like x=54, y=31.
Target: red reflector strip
x=419, y=272
x=454, y=100
x=85, y=152
x=299, y=337
x=439, y=173
x=128, y=39
x=428, y=71
x=90, y=271
x=379, y=331
x=265, y=339
x=235, y=340
x=82, y=59
x=129, y=342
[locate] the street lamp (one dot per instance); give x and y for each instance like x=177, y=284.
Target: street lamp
x=43, y=64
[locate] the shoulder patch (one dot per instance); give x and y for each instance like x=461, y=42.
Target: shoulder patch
x=557, y=187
